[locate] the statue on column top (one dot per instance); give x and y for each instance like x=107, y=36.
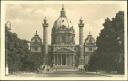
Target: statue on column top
x=45, y=20
x=45, y=24
x=81, y=20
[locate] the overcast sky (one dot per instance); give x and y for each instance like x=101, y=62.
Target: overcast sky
x=27, y=18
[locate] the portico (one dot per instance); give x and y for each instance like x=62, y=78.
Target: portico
x=63, y=59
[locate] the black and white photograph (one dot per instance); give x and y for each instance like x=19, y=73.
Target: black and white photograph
x=74, y=40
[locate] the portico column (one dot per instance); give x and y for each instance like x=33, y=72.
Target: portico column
x=67, y=59
x=73, y=59
x=54, y=58
x=70, y=59
x=57, y=59
x=61, y=59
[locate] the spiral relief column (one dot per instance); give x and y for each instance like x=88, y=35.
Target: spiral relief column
x=45, y=42
x=81, y=49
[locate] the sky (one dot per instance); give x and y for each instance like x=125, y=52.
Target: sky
x=27, y=18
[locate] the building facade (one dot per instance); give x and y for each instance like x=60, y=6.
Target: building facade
x=63, y=51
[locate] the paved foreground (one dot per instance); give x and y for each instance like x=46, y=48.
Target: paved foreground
x=62, y=74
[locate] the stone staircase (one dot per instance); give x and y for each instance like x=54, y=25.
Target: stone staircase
x=64, y=68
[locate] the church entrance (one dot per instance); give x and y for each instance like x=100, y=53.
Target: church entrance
x=63, y=59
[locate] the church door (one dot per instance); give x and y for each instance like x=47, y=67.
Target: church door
x=63, y=59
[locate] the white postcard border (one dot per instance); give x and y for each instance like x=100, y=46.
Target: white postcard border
x=2, y=67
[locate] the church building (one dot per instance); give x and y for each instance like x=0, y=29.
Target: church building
x=63, y=53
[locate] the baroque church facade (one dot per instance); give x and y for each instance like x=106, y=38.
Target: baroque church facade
x=63, y=51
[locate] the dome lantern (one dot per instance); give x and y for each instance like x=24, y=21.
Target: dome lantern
x=62, y=12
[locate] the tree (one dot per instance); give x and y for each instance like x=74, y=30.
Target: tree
x=109, y=55
x=16, y=49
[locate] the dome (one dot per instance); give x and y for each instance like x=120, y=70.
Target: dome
x=63, y=32
x=36, y=38
x=62, y=21
x=90, y=40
